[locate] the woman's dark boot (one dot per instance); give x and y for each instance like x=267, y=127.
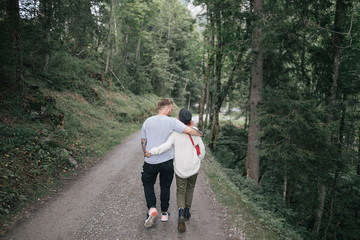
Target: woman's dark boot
x=187, y=214
x=181, y=224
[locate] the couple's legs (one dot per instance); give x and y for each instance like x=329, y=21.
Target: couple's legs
x=185, y=190
x=148, y=178
x=166, y=178
x=184, y=193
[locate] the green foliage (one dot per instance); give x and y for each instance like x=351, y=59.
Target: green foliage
x=40, y=127
x=257, y=215
x=29, y=162
x=266, y=203
x=347, y=199
x=263, y=201
x=231, y=147
x=292, y=140
x=68, y=72
x=69, y=102
x=168, y=52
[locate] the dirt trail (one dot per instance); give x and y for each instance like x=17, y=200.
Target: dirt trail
x=108, y=203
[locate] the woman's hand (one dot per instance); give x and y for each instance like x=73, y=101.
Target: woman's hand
x=147, y=154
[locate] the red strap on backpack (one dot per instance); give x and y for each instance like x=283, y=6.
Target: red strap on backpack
x=196, y=146
x=191, y=139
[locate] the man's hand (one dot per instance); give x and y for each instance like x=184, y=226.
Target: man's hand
x=147, y=154
x=193, y=131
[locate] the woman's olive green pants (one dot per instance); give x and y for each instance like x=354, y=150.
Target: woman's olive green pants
x=185, y=190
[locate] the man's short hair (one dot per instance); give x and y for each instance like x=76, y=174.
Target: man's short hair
x=164, y=102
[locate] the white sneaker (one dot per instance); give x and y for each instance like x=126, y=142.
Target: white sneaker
x=165, y=216
x=151, y=216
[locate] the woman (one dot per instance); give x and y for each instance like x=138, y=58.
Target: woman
x=186, y=165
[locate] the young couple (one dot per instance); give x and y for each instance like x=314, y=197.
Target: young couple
x=169, y=145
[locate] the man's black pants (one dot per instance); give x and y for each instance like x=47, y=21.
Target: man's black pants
x=148, y=178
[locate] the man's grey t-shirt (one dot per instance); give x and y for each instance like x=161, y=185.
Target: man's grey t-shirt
x=156, y=130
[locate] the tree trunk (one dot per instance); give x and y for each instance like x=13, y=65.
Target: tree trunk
x=358, y=167
x=205, y=90
x=47, y=56
x=228, y=107
x=14, y=22
x=202, y=101
x=332, y=198
x=321, y=202
x=208, y=117
x=137, y=56
x=189, y=101
x=115, y=29
x=252, y=164
x=330, y=101
x=126, y=41
x=358, y=173
x=247, y=114
x=337, y=42
x=163, y=89
x=206, y=75
x=209, y=98
x=337, y=174
x=109, y=37
x=285, y=184
x=45, y=14
x=221, y=94
x=169, y=23
x=215, y=127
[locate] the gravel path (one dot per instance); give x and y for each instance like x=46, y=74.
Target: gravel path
x=108, y=203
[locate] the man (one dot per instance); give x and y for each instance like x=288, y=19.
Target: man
x=155, y=131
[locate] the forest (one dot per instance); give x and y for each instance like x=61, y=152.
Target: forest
x=291, y=67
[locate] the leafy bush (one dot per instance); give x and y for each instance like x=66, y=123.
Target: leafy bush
x=28, y=164
x=67, y=72
x=231, y=146
x=33, y=139
x=268, y=205
x=264, y=199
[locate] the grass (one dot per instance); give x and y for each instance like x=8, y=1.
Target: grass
x=33, y=140
x=230, y=197
x=102, y=127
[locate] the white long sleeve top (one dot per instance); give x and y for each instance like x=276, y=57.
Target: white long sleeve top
x=186, y=162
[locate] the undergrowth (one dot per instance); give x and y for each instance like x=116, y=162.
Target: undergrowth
x=256, y=208
x=42, y=128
